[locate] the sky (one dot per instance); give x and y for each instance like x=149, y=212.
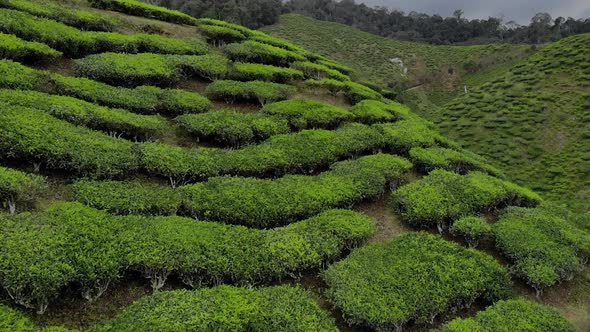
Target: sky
x=520, y=11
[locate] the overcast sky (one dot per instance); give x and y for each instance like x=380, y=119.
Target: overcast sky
x=519, y=10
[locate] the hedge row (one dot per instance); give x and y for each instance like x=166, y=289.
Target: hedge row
x=40, y=138
x=442, y=197
x=76, y=246
x=81, y=19
x=334, y=65
x=225, y=308
x=143, y=99
x=262, y=92
x=413, y=278
x=252, y=51
x=12, y=47
x=307, y=113
x=132, y=70
x=514, y=316
x=19, y=187
x=259, y=72
x=461, y=162
x=74, y=42
x=354, y=92
x=544, y=247
x=473, y=229
x=116, y=122
x=242, y=29
x=316, y=71
x=220, y=35
x=138, y=8
x=233, y=128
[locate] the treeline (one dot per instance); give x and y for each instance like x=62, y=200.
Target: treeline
x=383, y=21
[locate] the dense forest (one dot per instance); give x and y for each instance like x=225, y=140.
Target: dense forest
x=382, y=21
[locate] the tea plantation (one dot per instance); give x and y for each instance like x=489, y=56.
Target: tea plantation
x=160, y=172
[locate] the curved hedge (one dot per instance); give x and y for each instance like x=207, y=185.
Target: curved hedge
x=117, y=122
x=306, y=113
x=220, y=35
x=373, y=111
x=74, y=42
x=354, y=92
x=414, y=277
x=70, y=244
x=132, y=70
x=442, y=197
x=18, y=187
x=268, y=203
x=262, y=92
x=12, y=47
x=225, y=308
x=252, y=51
x=544, y=247
x=473, y=229
x=461, y=162
x=258, y=72
x=12, y=320
x=512, y=316
x=335, y=65
x=318, y=72
x=138, y=8
x=40, y=138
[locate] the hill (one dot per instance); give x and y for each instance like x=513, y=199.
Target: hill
x=160, y=172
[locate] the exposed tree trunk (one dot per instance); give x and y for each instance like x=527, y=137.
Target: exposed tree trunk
x=11, y=205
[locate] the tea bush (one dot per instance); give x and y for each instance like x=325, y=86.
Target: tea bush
x=19, y=187
x=281, y=43
x=263, y=92
x=255, y=71
x=414, y=277
x=306, y=113
x=373, y=111
x=512, y=315
x=143, y=9
x=473, y=229
x=335, y=65
x=252, y=51
x=545, y=248
x=460, y=162
x=442, y=197
x=219, y=35
x=13, y=75
x=117, y=122
x=316, y=71
x=242, y=29
x=13, y=320
x=12, y=47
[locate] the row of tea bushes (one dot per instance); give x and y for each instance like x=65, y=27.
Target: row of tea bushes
x=74, y=42
x=143, y=99
x=253, y=51
x=473, y=229
x=512, y=315
x=133, y=70
x=442, y=197
x=81, y=19
x=146, y=10
x=252, y=91
x=353, y=91
x=12, y=47
x=13, y=320
x=412, y=278
x=77, y=246
x=317, y=72
x=544, y=247
x=19, y=187
x=458, y=161
x=243, y=71
x=116, y=122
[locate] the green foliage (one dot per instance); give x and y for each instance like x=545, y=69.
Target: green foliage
x=149, y=69
x=318, y=72
x=233, y=128
x=306, y=113
x=225, y=308
x=219, y=35
x=243, y=30
x=12, y=320
x=81, y=19
x=544, y=247
x=18, y=187
x=268, y=203
x=413, y=277
x=13, y=75
x=512, y=316
x=442, y=197
x=473, y=229
x=12, y=47
x=354, y=92
x=460, y=162
x=40, y=138
x=252, y=51
x=263, y=92
x=281, y=43
x=373, y=111
x=117, y=122
x=74, y=42
x=138, y=8
x=260, y=72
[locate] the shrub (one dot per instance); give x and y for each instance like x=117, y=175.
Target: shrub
x=233, y=128
x=332, y=85
x=255, y=71
x=473, y=229
x=219, y=35
x=269, y=203
x=225, y=308
x=127, y=198
x=41, y=138
x=12, y=320
x=403, y=135
x=451, y=160
x=413, y=277
x=545, y=248
x=13, y=75
x=334, y=65
x=143, y=9
x=356, y=93
x=277, y=42
x=442, y=197
x=251, y=51
x=117, y=122
x=306, y=113
x=211, y=21
x=18, y=187
x=514, y=316
x=263, y=92
x=12, y=47
x=373, y=111
x=81, y=19
x=316, y=71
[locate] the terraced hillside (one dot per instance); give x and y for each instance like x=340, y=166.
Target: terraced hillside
x=164, y=173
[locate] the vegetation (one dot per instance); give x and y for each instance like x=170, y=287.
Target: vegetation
x=139, y=8
x=354, y=92
x=460, y=162
x=306, y=113
x=18, y=187
x=262, y=92
x=12, y=47
x=412, y=278
x=473, y=229
x=512, y=315
x=317, y=71
x=545, y=248
x=255, y=71
x=252, y=51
